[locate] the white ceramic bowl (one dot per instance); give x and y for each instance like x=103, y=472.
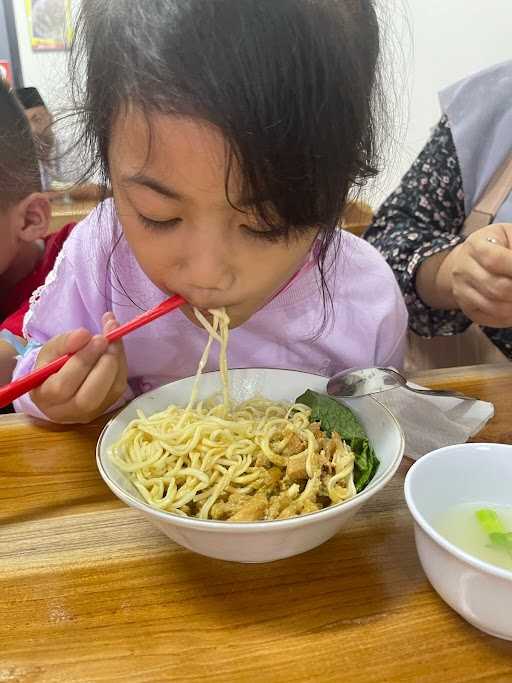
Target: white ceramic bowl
x=466, y=473
x=254, y=541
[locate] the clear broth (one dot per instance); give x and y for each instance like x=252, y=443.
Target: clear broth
x=460, y=526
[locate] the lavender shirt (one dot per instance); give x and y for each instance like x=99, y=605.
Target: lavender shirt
x=367, y=329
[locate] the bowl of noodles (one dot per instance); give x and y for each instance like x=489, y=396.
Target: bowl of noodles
x=250, y=465
x=260, y=484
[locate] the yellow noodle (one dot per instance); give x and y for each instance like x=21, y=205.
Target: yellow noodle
x=216, y=458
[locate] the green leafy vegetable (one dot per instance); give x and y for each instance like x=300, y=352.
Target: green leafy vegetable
x=491, y=523
x=335, y=417
x=503, y=540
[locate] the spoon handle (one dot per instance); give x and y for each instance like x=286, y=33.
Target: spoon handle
x=442, y=392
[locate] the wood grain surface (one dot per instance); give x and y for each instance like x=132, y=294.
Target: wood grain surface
x=91, y=591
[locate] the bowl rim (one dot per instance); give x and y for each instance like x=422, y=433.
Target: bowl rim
x=420, y=520
x=218, y=524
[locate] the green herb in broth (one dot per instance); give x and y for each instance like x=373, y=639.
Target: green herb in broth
x=462, y=526
x=494, y=528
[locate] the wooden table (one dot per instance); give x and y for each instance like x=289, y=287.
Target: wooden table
x=69, y=212
x=90, y=591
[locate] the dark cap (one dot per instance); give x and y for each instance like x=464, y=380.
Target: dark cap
x=30, y=98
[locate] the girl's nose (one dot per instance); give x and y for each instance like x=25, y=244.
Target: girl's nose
x=207, y=266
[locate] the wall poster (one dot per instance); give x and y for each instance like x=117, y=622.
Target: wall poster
x=50, y=24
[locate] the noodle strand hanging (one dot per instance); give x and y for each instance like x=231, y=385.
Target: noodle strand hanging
x=215, y=460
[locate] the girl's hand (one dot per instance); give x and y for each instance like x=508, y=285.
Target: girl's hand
x=90, y=382
x=478, y=276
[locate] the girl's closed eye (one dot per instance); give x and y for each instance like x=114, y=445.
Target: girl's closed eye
x=254, y=232
x=265, y=233
x=153, y=224
x=255, y=227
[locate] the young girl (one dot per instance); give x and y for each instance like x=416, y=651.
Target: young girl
x=231, y=133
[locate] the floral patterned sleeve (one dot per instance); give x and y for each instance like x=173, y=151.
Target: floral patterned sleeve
x=421, y=218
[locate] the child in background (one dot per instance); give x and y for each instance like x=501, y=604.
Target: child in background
x=26, y=254
x=50, y=157
x=231, y=133
x=41, y=124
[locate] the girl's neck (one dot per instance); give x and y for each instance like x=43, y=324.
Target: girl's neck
x=24, y=263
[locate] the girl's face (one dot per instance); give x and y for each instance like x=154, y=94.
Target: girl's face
x=168, y=178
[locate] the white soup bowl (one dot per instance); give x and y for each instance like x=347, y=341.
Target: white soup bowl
x=261, y=541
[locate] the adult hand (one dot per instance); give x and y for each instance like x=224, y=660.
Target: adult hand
x=477, y=276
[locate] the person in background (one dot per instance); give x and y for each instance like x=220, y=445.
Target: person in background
x=41, y=123
x=26, y=254
x=446, y=231
x=230, y=170
x=50, y=156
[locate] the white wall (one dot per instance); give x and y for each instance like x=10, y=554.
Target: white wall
x=47, y=71
x=446, y=40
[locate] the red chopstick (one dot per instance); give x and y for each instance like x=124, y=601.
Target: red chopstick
x=21, y=386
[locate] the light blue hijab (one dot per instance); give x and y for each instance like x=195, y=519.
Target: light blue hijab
x=479, y=109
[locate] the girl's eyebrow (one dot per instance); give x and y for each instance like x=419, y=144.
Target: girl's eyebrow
x=152, y=184
x=167, y=191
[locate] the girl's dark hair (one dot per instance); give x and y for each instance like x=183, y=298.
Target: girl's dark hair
x=290, y=83
x=19, y=171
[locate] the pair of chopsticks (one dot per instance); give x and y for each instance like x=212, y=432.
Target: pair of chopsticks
x=9, y=392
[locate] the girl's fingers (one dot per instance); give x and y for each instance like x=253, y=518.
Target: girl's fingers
x=64, y=384
x=92, y=379
x=90, y=382
x=97, y=387
x=96, y=395
x=110, y=323
x=76, y=340
x=116, y=390
x=107, y=380
x=104, y=385
x=64, y=343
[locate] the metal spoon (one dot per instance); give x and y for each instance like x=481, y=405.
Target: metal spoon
x=366, y=381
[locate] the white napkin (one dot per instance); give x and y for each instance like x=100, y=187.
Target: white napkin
x=430, y=422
